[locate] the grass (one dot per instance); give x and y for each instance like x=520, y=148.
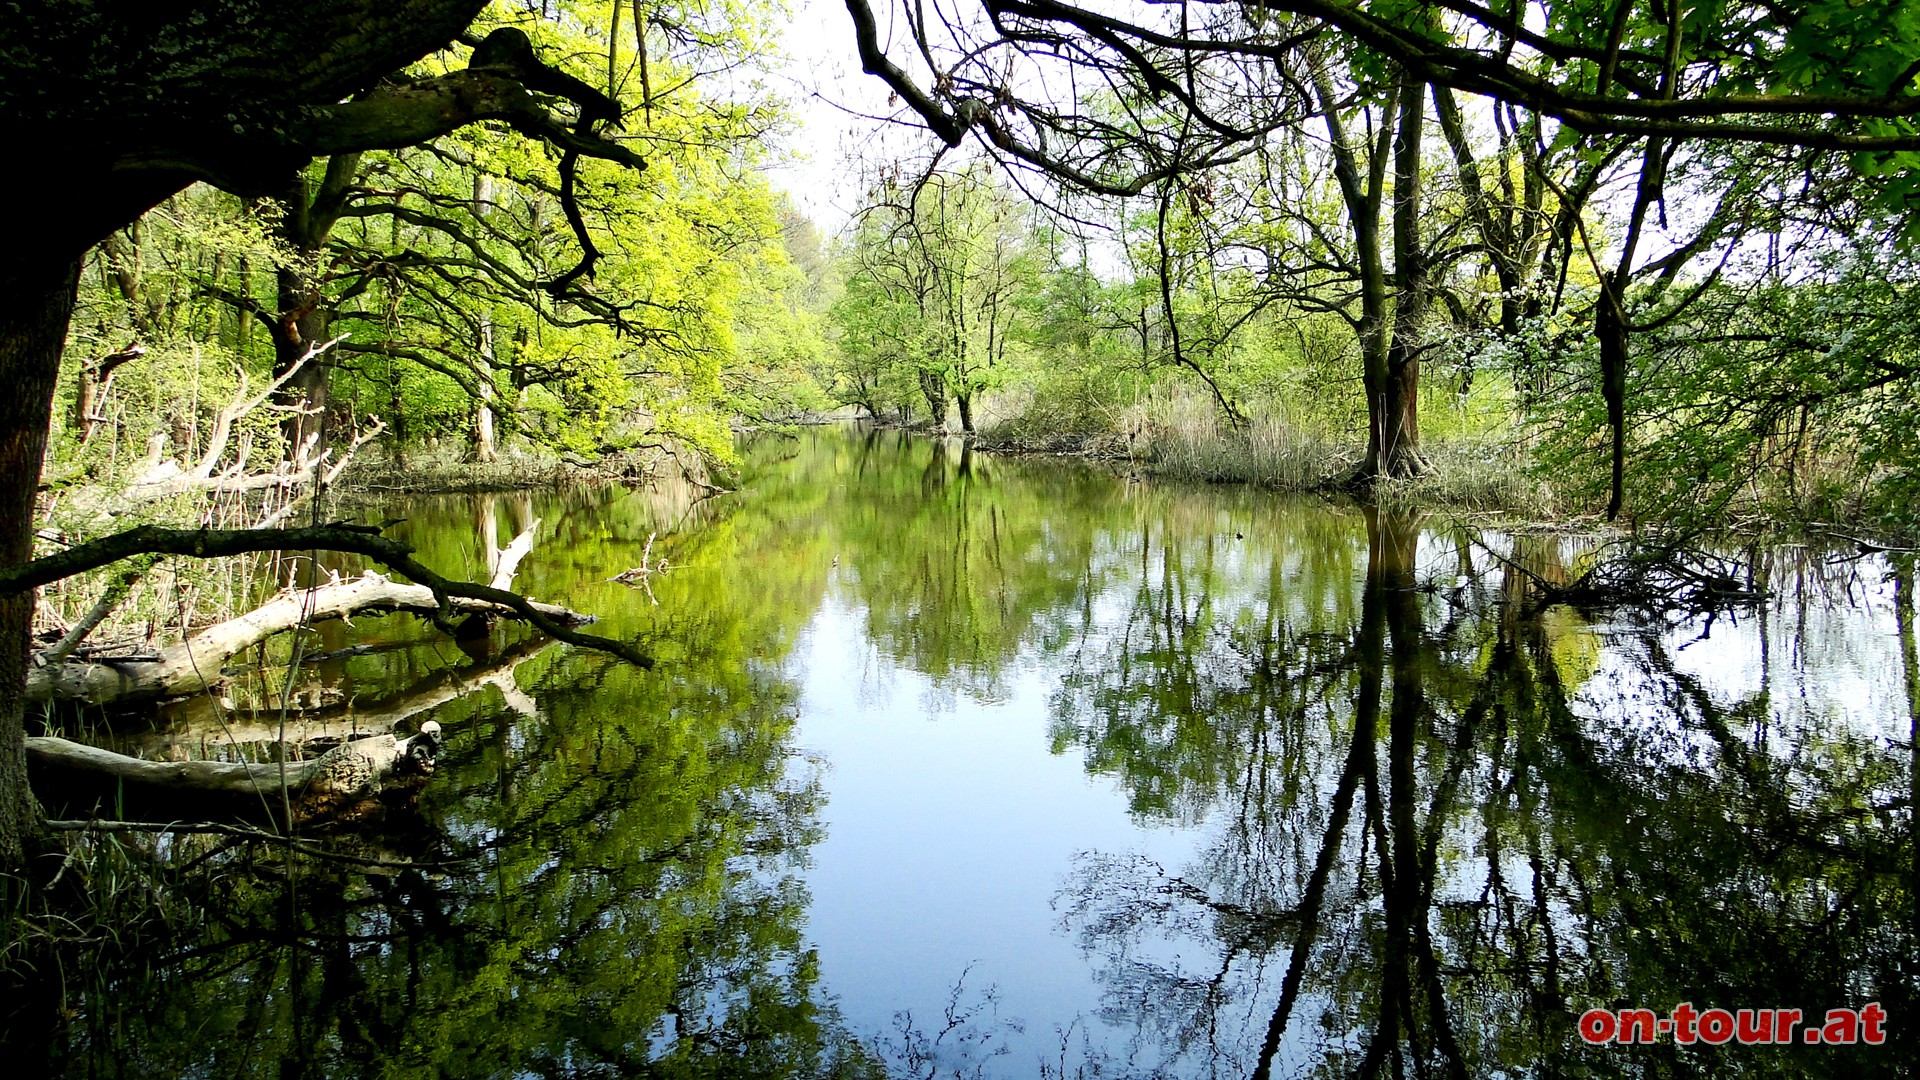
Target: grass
x=106, y=899
x=1183, y=437
x=444, y=467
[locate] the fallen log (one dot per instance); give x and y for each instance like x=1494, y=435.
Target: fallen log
x=358, y=539
x=47, y=752
x=198, y=663
x=65, y=773
x=350, y=719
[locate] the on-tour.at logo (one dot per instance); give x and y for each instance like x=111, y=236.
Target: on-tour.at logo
x=1749, y=1027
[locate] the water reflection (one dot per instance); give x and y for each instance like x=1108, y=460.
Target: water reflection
x=603, y=878
x=1425, y=859
x=1345, y=802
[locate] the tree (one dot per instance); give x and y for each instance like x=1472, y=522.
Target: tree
x=1391, y=339
x=1813, y=73
x=127, y=106
x=935, y=273
x=1181, y=91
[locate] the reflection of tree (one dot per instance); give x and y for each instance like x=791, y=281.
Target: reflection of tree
x=1439, y=825
x=955, y=569
x=1435, y=843
x=633, y=908
x=1907, y=609
x=605, y=885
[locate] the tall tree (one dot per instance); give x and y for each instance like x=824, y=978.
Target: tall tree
x=125, y=105
x=1820, y=75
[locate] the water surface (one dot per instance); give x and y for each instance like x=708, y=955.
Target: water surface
x=953, y=764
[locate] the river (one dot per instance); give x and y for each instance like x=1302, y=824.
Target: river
x=953, y=764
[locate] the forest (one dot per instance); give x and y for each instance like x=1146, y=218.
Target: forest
x=1642, y=271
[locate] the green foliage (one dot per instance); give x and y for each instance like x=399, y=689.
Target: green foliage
x=439, y=269
x=934, y=277
x=1788, y=400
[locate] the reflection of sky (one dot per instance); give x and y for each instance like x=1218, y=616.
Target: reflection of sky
x=947, y=837
x=950, y=828
x=1825, y=650
x=1817, y=667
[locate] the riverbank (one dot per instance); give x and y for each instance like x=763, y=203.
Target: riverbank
x=1480, y=476
x=446, y=470
x=1472, y=472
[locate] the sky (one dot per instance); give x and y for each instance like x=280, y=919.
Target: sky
x=843, y=122
x=840, y=121
x=821, y=77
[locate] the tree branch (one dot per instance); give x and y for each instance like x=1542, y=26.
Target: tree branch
x=352, y=539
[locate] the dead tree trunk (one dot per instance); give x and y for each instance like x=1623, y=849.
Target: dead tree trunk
x=309, y=466
x=91, y=385
x=354, y=718
x=87, y=780
x=198, y=663
x=48, y=754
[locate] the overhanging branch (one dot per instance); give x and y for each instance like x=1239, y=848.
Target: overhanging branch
x=350, y=539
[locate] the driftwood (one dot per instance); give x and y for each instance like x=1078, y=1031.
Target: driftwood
x=198, y=777
x=75, y=776
x=84, y=779
x=351, y=719
x=642, y=575
x=199, y=662
x=356, y=539
x=123, y=581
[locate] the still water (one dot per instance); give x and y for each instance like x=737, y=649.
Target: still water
x=960, y=765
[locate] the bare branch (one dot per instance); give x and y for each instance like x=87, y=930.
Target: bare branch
x=352, y=539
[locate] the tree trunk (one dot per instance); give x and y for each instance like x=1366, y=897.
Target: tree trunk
x=933, y=387
x=1390, y=371
x=353, y=718
x=34, y=309
x=1610, y=322
x=484, y=448
x=307, y=218
x=1393, y=409
x=91, y=384
x=89, y=782
x=302, y=325
x=1393, y=393
x=204, y=777
x=965, y=402
x=1611, y=328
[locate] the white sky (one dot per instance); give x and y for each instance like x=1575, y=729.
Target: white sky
x=822, y=80
x=838, y=126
